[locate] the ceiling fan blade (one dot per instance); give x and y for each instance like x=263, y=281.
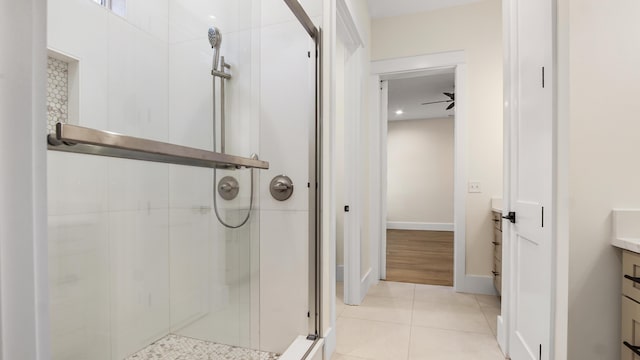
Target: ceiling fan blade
x=436, y=102
x=451, y=106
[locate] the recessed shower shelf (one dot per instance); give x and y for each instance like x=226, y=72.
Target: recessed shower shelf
x=82, y=140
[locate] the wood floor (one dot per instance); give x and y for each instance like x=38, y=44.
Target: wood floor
x=420, y=257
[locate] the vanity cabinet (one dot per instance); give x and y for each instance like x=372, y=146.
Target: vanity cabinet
x=630, y=305
x=497, y=251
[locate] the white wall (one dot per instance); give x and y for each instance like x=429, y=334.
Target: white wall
x=420, y=171
x=601, y=54
x=24, y=310
x=476, y=29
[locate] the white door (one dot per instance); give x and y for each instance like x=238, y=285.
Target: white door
x=531, y=191
x=352, y=187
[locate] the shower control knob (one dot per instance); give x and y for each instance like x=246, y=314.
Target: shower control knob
x=228, y=188
x=281, y=187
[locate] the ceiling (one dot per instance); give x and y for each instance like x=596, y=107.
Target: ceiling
x=387, y=8
x=409, y=94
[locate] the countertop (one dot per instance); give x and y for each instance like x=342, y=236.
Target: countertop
x=625, y=229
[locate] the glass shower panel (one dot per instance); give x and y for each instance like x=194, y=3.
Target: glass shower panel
x=138, y=259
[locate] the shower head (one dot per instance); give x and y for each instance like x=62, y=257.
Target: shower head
x=215, y=38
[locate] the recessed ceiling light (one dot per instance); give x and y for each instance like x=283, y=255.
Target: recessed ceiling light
x=399, y=112
x=212, y=16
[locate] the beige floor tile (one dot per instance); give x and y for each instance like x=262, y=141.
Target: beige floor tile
x=452, y=316
x=395, y=310
x=337, y=356
x=392, y=289
x=340, y=306
x=372, y=339
x=438, y=344
x=491, y=314
x=444, y=295
x=488, y=301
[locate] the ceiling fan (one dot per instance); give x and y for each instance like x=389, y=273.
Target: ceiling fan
x=451, y=100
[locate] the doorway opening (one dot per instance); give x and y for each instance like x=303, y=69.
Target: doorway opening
x=420, y=173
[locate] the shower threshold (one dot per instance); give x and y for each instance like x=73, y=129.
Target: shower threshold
x=176, y=347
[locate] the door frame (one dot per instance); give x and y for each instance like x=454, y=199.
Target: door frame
x=407, y=67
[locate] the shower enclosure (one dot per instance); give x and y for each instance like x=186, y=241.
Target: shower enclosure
x=149, y=255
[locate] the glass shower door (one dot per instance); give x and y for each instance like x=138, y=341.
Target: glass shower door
x=153, y=258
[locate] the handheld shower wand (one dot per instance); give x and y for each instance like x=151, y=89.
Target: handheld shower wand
x=215, y=39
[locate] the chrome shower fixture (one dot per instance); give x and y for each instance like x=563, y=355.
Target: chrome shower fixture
x=215, y=39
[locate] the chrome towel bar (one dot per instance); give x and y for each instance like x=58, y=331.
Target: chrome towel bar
x=82, y=140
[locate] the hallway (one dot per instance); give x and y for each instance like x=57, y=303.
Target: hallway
x=417, y=322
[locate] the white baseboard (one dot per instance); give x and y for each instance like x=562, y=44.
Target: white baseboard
x=404, y=225
x=330, y=342
x=365, y=283
x=476, y=284
x=502, y=337
x=340, y=273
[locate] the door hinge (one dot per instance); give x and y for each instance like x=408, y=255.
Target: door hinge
x=511, y=216
x=543, y=77
x=309, y=54
x=312, y=337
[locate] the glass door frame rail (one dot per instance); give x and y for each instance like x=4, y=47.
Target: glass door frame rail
x=315, y=176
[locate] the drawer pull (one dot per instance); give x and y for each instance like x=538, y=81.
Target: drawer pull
x=495, y=273
x=495, y=243
x=634, y=279
x=635, y=349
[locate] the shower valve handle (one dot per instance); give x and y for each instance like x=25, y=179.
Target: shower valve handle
x=282, y=186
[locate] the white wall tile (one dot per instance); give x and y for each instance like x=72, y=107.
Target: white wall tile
x=287, y=110
x=190, y=94
x=191, y=19
x=190, y=188
x=76, y=184
x=79, y=286
x=139, y=252
x=152, y=16
x=190, y=258
x=138, y=82
x=137, y=185
x=78, y=28
x=284, y=246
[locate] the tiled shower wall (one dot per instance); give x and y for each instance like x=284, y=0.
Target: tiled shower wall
x=57, y=92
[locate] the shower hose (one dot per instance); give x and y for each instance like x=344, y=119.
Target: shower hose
x=215, y=201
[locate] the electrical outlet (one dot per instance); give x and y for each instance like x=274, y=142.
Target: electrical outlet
x=474, y=187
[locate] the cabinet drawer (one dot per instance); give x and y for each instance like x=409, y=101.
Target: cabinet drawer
x=497, y=252
x=631, y=268
x=497, y=275
x=630, y=328
x=497, y=220
x=497, y=237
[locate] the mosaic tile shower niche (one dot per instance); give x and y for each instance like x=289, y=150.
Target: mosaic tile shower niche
x=57, y=93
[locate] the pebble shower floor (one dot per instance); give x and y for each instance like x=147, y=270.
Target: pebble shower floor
x=175, y=347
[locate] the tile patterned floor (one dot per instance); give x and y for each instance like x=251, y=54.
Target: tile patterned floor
x=399, y=321
x=175, y=347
